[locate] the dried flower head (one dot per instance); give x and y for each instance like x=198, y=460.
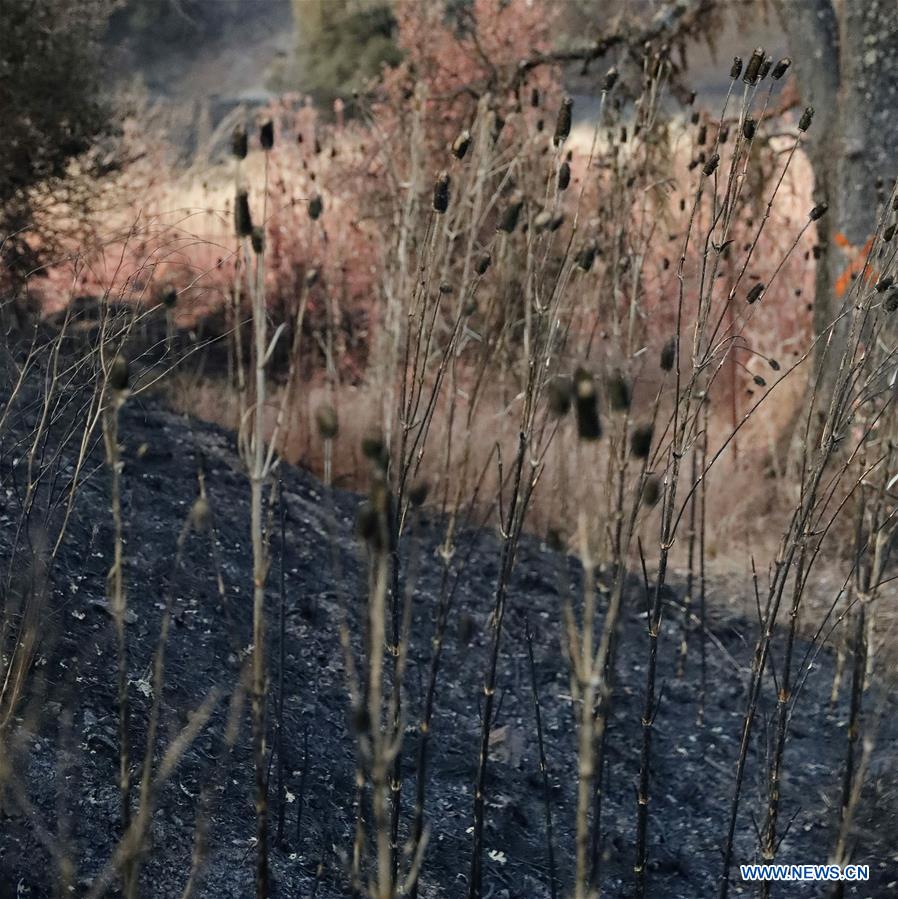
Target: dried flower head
x=327, y=421
x=752, y=70
x=441, y=193
x=891, y=302
x=564, y=175
x=748, y=128
x=711, y=165
x=641, y=440
x=736, y=68
x=509, y=220
x=119, y=373
x=755, y=293
x=243, y=220
x=818, y=212
x=563, y=122
x=781, y=68
x=560, y=390
x=669, y=354
x=589, y=427
x=884, y=283
x=806, y=118
x=239, y=144
x=461, y=144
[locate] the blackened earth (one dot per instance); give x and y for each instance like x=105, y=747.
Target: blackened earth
x=66, y=759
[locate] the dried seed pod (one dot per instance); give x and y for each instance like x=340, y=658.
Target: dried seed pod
x=441, y=193
x=589, y=427
x=327, y=421
x=243, y=220
x=669, y=354
x=509, y=220
x=461, y=144
x=884, y=283
x=711, y=165
x=736, y=68
x=891, y=302
x=266, y=134
x=781, y=68
x=764, y=71
x=564, y=176
x=773, y=364
x=316, y=207
x=818, y=212
x=169, y=297
x=374, y=448
x=119, y=373
x=611, y=77
x=641, y=440
x=417, y=494
x=563, y=122
x=483, y=263
x=587, y=256
x=889, y=233
x=560, y=391
x=755, y=293
x=618, y=392
x=651, y=491
x=239, y=144
x=748, y=128
x=754, y=66
x=759, y=381
x=806, y=118
x=257, y=240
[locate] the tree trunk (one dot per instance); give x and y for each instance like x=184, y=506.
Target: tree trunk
x=846, y=63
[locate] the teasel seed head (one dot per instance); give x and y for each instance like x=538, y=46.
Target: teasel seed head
x=483, y=263
x=257, y=240
x=754, y=66
x=119, y=373
x=461, y=144
x=564, y=175
x=441, y=193
x=781, y=68
x=417, y=494
x=891, y=302
x=327, y=421
x=266, y=134
x=818, y=212
x=618, y=392
x=748, y=128
x=239, y=144
x=243, y=220
x=316, y=207
x=641, y=440
x=589, y=427
x=509, y=220
x=884, y=283
x=563, y=122
x=669, y=354
x=587, y=256
x=611, y=77
x=711, y=165
x=560, y=391
x=736, y=68
x=651, y=491
x=806, y=118
x=755, y=293
x=169, y=297
x=374, y=449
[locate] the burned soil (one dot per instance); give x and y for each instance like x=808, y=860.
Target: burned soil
x=63, y=795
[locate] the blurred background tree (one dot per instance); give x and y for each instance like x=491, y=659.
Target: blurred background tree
x=51, y=104
x=341, y=45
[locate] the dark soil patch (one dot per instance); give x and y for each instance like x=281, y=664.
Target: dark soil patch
x=66, y=760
